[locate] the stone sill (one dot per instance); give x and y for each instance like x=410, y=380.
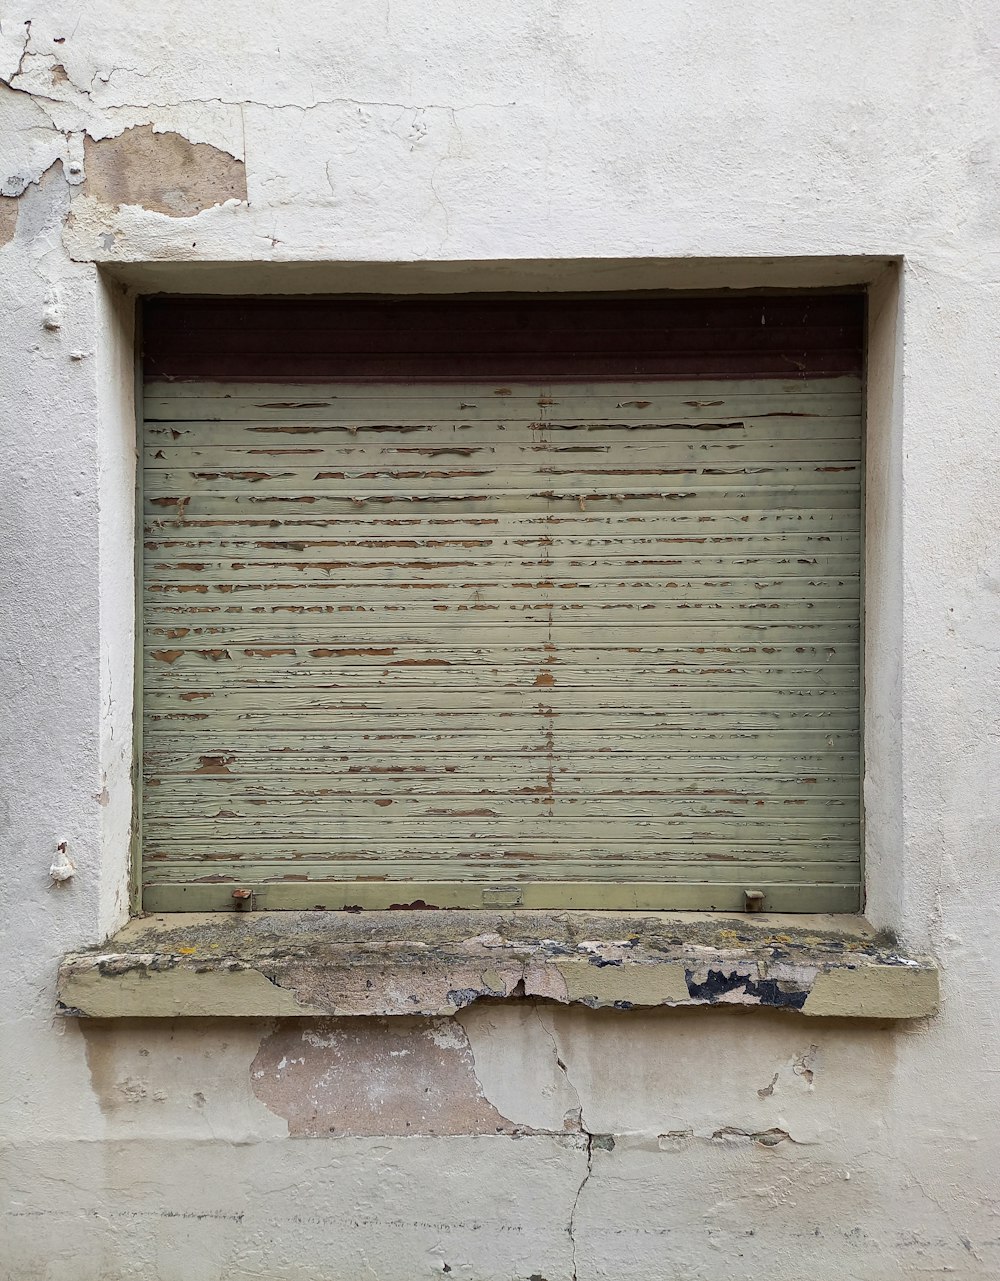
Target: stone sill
x=266, y=964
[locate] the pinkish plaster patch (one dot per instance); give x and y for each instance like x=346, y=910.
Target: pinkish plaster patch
x=372, y=1076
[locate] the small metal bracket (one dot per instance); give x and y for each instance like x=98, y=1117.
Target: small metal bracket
x=243, y=900
x=753, y=900
x=502, y=896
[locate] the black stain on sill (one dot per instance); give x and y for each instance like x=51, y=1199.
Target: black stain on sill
x=719, y=984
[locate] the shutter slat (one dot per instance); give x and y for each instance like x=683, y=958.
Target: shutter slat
x=598, y=499
x=429, y=860
x=620, y=894
x=393, y=659
x=610, y=523
x=543, y=454
x=428, y=747
x=644, y=429
x=513, y=781
x=695, y=399
x=243, y=812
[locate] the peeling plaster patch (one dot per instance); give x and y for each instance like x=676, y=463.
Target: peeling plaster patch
x=374, y=1077
x=8, y=219
x=765, y=1138
x=31, y=144
x=162, y=172
x=177, y=1079
x=519, y=1066
x=804, y=1066
x=675, y=1140
x=42, y=208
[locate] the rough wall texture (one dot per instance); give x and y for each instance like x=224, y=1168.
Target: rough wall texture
x=553, y=1143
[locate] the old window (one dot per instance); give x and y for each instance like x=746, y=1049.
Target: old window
x=516, y=602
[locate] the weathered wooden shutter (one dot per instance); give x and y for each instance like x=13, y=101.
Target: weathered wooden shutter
x=494, y=605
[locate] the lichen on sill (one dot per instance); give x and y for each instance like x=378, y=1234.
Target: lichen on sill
x=262, y=964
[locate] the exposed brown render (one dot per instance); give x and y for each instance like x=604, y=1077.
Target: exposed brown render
x=162, y=172
x=8, y=218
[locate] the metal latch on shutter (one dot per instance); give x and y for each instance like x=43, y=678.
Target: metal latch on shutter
x=502, y=896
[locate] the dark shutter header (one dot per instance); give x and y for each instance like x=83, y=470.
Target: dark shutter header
x=524, y=339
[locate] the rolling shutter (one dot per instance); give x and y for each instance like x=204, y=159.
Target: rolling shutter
x=488, y=604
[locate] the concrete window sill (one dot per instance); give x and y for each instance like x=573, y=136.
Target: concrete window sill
x=262, y=964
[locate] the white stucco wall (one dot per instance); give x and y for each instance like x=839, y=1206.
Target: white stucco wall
x=570, y=145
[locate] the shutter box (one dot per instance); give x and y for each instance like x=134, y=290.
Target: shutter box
x=516, y=602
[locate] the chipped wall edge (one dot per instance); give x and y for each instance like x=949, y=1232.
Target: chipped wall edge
x=436, y=963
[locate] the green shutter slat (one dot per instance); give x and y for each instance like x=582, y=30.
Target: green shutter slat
x=601, y=642
x=669, y=753
x=700, y=864
x=700, y=400
x=622, y=895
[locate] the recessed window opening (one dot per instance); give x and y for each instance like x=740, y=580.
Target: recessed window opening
x=527, y=602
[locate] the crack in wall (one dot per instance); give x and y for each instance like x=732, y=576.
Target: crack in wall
x=561, y=1065
x=21, y=72
x=571, y=1226
x=605, y=1142
x=24, y=49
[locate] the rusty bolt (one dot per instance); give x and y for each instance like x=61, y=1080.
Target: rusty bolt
x=243, y=900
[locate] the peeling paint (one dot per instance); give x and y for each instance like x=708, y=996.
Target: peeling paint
x=162, y=172
x=415, y=961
